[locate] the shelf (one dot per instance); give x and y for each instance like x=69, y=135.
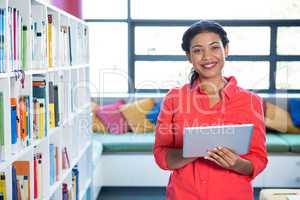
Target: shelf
x=55, y=186
x=52, y=131
x=53, y=69
x=28, y=108
x=44, y=71
x=85, y=189
x=81, y=153
x=15, y=157
x=74, y=114
x=39, y=141
x=5, y=75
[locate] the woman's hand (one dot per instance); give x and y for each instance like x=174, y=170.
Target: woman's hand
x=228, y=159
x=175, y=160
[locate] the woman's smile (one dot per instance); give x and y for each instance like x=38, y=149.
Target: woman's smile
x=209, y=65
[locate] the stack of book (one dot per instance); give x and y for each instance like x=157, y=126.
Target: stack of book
x=21, y=180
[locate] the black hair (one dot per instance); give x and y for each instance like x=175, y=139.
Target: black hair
x=200, y=27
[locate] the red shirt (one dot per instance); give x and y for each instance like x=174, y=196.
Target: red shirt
x=203, y=179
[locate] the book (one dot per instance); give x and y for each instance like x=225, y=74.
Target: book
x=50, y=40
x=51, y=104
x=52, y=163
x=1, y=119
x=36, y=129
x=39, y=176
x=14, y=183
x=56, y=107
x=22, y=169
x=40, y=109
x=75, y=181
x=65, y=159
x=2, y=40
x=35, y=190
x=27, y=99
x=56, y=164
x=70, y=46
x=24, y=49
x=65, y=192
x=23, y=119
x=3, y=185
x=14, y=119
x=42, y=121
x=25, y=186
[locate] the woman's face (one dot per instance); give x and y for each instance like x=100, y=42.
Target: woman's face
x=207, y=54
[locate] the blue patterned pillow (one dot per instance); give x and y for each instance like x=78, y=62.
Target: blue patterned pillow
x=294, y=109
x=153, y=114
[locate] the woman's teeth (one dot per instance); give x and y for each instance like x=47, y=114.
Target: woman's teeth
x=209, y=65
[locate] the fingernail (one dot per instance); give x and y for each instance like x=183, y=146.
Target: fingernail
x=219, y=147
x=205, y=157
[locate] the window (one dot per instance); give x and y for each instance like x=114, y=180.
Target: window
x=219, y=10
x=242, y=70
x=157, y=75
x=108, y=57
x=287, y=39
x=140, y=48
x=158, y=40
x=249, y=40
x=287, y=76
x=104, y=9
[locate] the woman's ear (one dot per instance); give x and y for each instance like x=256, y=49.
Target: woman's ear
x=226, y=50
x=188, y=55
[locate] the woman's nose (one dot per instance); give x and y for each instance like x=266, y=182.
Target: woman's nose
x=206, y=54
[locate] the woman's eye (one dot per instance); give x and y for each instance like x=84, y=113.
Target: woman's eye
x=215, y=47
x=196, y=50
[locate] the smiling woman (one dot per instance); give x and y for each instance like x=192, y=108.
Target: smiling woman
x=218, y=100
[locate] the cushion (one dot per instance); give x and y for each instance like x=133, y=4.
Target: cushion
x=98, y=126
x=135, y=114
x=143, y=142
x=113, y=119
x=278, y=194
x=278, y=119
x=294, y=109
x=153, y=114
x=275, y=143
x=293, y=141
x=128, y=142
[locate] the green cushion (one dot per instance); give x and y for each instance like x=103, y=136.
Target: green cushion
x=143, y=142
x=129, y=142
x=293, y=140
x=276, y=144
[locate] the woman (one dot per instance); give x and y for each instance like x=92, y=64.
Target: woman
x=209, y=99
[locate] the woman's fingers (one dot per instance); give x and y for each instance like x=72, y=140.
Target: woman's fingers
x=223, y=157
x=219, y=157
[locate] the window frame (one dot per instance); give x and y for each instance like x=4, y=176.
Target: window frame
x=272, y=58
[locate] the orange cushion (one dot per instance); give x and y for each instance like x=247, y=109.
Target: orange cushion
x=98, y=126
x=278, y=119
x=135, y=114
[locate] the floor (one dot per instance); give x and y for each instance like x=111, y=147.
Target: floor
x=139, y=193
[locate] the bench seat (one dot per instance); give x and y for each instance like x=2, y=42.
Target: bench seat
x=143, y=142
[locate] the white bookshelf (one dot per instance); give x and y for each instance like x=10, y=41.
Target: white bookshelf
x=72, y=80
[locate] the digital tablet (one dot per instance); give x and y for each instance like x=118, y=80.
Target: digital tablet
x=197, y=140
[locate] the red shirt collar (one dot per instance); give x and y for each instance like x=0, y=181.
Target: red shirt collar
x=229, y=90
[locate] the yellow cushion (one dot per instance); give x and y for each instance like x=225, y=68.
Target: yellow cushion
x=135, y=114
x=98, y=126
x=278, y=194
x=279, y=119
